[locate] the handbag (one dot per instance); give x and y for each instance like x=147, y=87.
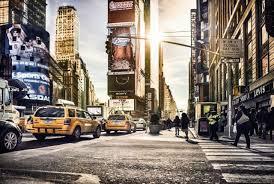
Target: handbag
x=234, y=128
x=243, y=119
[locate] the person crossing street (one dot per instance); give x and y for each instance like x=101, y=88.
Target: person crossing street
x=213, y=124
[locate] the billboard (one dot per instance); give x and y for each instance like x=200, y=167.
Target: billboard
x=121, y=84
x=27, y=47
x=95, y=110
x=121, y=12
x=122, y=55
x=122, y=104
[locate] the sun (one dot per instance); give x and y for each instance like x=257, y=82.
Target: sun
x=155, y=37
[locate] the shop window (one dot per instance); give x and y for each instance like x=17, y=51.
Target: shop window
x=265, y=65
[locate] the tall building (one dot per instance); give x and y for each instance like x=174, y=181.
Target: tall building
x=126, y=59
x=152, y=57
x=253, y=76
x=67, y=51
x=193, y=90
x=67, y=34
x=32, y=12
x=202, y=37
x=77, y=82
x=170, y=107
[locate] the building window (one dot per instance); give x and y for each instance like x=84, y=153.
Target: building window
x=263, y=43
x=248, y=49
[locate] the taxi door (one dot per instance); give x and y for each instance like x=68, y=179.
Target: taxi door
x=83, y=121
x=90, y=122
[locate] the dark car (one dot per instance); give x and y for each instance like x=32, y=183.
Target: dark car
x=10, y=136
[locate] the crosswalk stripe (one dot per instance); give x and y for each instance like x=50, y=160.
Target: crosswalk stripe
x=247, y=178
x=241, y=165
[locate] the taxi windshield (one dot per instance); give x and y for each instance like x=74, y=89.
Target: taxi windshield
x=50, y=112
x=116, y=117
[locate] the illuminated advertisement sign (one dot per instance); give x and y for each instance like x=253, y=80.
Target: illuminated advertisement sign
x=121, y=12
x=122, y=104
x=95, y=110
x=119, y=85
x=122, y=58
x=27, y=47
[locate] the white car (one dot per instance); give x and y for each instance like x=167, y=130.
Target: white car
x=140, y=123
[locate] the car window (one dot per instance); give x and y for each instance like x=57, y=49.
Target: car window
x=81, y=114
x=50, y=112
x=116, y=117
x=71, y=112
x=87, y=115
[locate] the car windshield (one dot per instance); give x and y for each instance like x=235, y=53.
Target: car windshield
x=50, y=112
x=116, y=117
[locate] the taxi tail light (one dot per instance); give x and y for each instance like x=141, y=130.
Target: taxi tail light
x=67, y=121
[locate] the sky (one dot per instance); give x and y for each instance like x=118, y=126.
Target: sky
x=174, y=15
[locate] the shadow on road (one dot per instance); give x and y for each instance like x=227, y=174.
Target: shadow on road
x=34, y=144
x=115, y=134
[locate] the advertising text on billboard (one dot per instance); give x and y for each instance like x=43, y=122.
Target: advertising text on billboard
x=121, y=11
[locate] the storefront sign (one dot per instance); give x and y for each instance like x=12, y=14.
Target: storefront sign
x=231, y=48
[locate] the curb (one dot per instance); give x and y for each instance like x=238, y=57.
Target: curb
x=193, y=132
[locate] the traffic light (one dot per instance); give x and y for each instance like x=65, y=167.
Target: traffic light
x=269, y=17
x=108, y=44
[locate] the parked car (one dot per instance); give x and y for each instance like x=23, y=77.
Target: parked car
x=10, y=136
x=140, y=123
x=120, y=122
x=63, y=120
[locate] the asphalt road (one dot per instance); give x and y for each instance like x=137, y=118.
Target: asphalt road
x=116, y=158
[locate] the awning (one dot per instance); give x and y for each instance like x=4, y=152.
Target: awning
x=19, y=88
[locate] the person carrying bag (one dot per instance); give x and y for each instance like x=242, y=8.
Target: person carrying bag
x=243, y=126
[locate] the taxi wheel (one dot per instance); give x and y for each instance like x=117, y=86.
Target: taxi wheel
x=108, y=131
x=129, y=130
x=97, y=133
x=135, y=129
x=39, y=137
x=76, y=133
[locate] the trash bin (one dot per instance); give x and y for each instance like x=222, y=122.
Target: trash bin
x=203, y=127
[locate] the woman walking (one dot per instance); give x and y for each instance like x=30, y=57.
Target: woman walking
x=177, y=122
x=184, y=124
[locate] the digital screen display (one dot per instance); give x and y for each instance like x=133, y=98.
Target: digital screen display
x=27, y=46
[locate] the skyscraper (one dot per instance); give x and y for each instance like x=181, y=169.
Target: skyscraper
x=67, y=33
x=31, y=12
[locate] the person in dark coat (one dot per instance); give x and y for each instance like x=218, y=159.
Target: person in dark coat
x=177, y=124
x=243, y=126
x=253, y=122
x=271, y=121
x=185, y=124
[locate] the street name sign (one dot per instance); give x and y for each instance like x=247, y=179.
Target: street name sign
x=231, y=48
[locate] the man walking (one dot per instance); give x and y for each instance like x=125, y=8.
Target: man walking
x=243, y=126
x=213, y=125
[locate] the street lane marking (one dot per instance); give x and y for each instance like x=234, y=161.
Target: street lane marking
x=247, y=178
x=83, y=178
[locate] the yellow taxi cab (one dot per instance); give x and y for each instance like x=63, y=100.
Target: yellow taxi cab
x=62, y=120
x=120, y=122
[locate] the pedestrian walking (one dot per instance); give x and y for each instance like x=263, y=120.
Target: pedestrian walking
x=271, y=121
x=263, y=122
x=169, y=123
x=222, y=122
x=243, y=126
x=253, y=122
x=185, y=124
x=177, y=124
x=213, y=124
